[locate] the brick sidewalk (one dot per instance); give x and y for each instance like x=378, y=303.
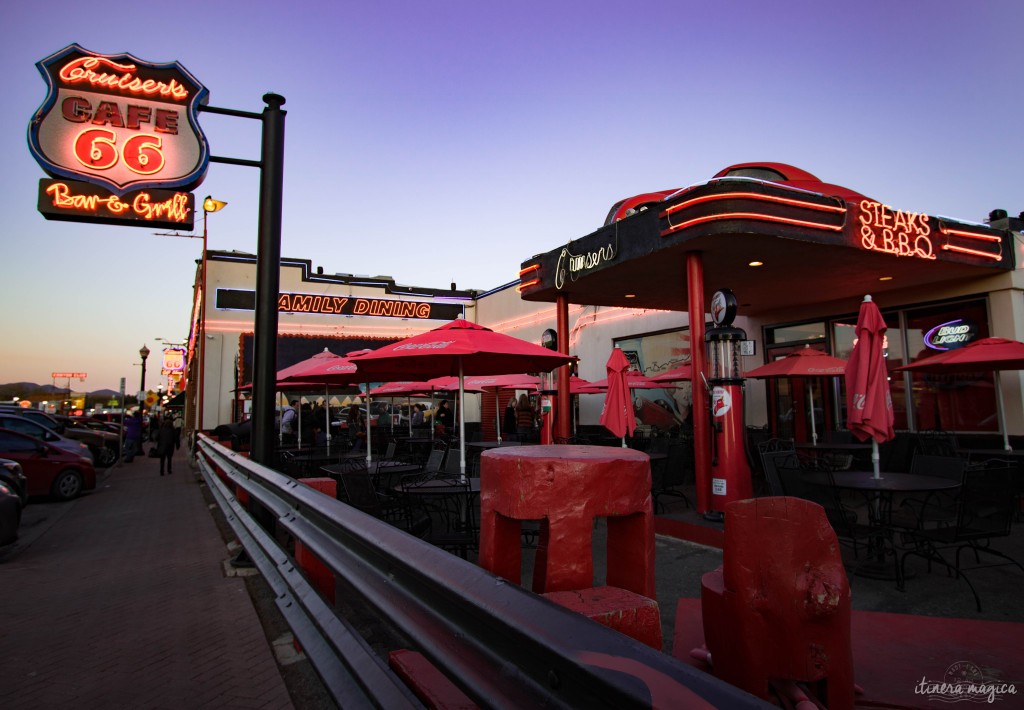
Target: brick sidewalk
x=124, y=604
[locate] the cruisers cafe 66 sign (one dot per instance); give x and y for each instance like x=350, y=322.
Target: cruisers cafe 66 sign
x=120, y=139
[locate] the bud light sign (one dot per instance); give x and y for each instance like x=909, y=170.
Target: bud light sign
x=951, y=335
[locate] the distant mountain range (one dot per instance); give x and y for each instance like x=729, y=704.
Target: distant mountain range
x=30, y=390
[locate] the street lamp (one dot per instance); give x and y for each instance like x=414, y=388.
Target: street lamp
x=209, y=205
x=143, y=353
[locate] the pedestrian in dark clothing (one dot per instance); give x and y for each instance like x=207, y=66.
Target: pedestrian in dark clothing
x=132, y=436
x=510, y=424
x=165, y=444
x=444, y=416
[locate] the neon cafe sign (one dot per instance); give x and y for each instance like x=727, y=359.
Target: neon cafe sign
x=120, y=138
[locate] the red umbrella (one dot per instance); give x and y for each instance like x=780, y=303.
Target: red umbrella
x=617, y=415
x=986, y=354
x=868, y=400
x=458, y=348
x=499, y=382
x=803, y=363
x=634, y=380
x=683, y=372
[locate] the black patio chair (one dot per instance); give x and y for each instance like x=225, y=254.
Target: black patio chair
x=787, y=475
x=985, y=511
x=938, y=508
x=399, y=511
x=672, y=474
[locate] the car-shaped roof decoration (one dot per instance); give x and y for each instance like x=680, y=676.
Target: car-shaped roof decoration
x=776, y=173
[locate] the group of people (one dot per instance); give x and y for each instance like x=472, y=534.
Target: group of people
x=520, y=417
x=165, y=431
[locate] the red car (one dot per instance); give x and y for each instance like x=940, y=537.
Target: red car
x=48, y=470
x=779, y=173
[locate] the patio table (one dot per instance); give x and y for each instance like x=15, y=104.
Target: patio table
x=879, y=493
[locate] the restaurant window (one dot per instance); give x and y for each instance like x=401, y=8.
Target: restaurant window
x=954, y=402
x=666, y=409
x=799, y=333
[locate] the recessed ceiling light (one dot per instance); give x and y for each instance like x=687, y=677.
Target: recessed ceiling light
x=630, y=295
x=885, y=278
x=756, y=263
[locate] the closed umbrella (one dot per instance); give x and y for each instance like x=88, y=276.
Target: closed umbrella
x=987, y=354
x=807, y=362
x=458, y=348
x=617, y=415
x=868, y=400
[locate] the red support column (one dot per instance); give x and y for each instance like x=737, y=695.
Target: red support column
x=701, y=425
x=563, y=404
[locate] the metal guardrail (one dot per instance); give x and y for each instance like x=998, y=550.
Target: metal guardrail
x=502, y=645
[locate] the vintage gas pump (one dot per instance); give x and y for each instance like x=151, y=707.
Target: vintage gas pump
x=730, y=470
x=548, y=391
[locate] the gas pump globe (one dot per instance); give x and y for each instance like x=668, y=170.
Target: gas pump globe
x=730, y=471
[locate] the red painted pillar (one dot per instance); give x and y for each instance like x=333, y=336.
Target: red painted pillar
x=701, y=425
x=563, y=405
x=319, y=574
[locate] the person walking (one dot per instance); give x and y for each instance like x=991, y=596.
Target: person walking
x=510, y=424
x=525, y=418
x=178, y=424
x=444, y=417
x=132, y=436
x=165, y=444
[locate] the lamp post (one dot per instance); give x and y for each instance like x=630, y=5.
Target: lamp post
x=143, y=353
x=209, y=205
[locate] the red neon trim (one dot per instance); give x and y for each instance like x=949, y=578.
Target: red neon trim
x=528, y=269
x=753, y=196
x=971, y=235
x=520, y=287
x=973, y=252
x=750, y=215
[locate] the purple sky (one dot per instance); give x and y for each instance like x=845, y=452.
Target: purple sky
x=451, y=140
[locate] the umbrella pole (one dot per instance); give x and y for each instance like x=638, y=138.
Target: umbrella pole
x=1001, y=413
x=408, y=406
x=814, y=429
x=875, y=457
x=497, y=412
x=462, y=427
x=369, y=419
x=327, y=417
x=298, y=438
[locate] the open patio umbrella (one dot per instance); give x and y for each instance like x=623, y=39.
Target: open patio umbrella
x=499, y=382
x=634, y=380
x=326, y=369
x=987, y=354
x=683, y=372
x=617, y=415
x=807, y=362
x=458, y=348
x=868, y=400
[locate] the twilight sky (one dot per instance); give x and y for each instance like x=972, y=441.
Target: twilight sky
x=450, y=140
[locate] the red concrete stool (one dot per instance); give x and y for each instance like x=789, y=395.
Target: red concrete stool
x=567, y=487
x=779, y=607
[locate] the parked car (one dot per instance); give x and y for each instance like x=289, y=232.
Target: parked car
x=104, y=444
x=10, y=514
x=48, y=470
x=12, y=476
x=28, y=427
x=35, y=415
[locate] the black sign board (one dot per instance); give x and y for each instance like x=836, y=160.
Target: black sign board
x=241, y=300
x=76, y=201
